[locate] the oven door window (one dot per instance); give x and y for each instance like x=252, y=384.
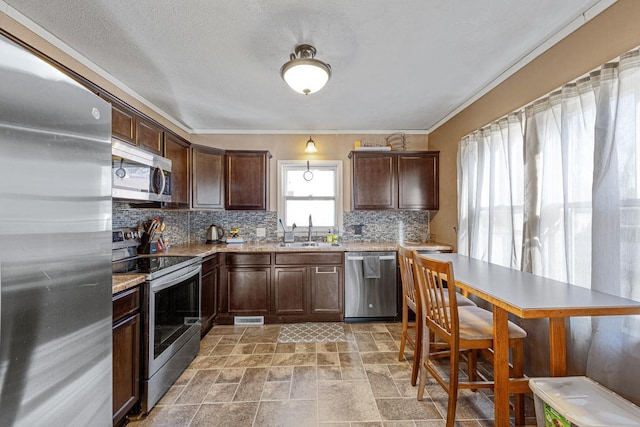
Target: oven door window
x=176, y=309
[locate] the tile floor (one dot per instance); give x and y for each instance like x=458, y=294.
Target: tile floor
x=244, y=377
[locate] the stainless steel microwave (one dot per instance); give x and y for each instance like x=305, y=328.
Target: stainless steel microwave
x=137, y=174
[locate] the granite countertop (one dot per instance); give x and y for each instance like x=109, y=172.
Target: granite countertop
x=204, y=249
x=122, y=282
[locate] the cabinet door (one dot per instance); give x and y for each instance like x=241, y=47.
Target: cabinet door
x=290, y=290
x=123, y=124
x=149, y=136
x=373, y=181
x=208, y=299
x=126, y=362
x=327, y=290
x=207, y=187
x=418, y=181
x=177, y=150
x=248, y=290
x=247, y=180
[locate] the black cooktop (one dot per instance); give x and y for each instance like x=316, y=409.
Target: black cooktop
x=153, y=266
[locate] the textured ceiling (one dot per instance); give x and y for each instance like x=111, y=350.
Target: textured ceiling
x=214, y=65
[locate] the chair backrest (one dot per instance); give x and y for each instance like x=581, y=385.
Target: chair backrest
x=409, y=289
x=440, y=312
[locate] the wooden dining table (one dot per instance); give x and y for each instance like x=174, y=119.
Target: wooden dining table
x=528, y=296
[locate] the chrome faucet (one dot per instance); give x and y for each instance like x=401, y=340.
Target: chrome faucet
x=309, y=231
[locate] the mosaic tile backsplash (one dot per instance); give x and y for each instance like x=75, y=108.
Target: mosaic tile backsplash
x=184, y=226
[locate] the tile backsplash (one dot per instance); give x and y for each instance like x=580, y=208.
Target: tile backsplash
x=389, y=225
x=184, y=226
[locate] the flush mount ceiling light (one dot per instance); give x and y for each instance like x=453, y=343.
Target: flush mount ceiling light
x=303, y=73
x=311, y=146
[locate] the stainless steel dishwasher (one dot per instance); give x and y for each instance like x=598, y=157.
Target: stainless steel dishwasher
x=371, y=288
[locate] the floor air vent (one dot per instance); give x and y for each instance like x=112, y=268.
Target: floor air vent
x=248, y=320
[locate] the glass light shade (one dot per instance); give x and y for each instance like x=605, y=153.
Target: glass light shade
x=305, y=75
x=311, y=146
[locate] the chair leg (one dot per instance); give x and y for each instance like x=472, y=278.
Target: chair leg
x=454, y=365
x=424, y=359
x=423, y=381
x=405, y=322
x=417, y=350
x=518, y=372
x=472, y=365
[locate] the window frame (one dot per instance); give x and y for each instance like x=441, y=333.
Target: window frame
x=333, y=164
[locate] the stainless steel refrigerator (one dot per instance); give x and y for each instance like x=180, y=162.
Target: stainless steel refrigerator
x=55, y=247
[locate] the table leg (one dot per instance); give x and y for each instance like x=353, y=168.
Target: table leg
x=557, y=347
x=501, y=366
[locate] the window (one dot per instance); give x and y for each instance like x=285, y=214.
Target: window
x=310, y=189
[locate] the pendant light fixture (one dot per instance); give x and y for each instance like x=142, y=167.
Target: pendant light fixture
x=303, y=73
x=311, y=146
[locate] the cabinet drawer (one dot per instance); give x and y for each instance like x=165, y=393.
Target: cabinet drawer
x=309, y=258
x=209, y=264
x=249, y=259
x=126, y=303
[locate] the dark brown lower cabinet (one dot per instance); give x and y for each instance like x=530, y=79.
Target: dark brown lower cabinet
x=308, y=287
x=290, y=290
x=126, y=352
x=282, y=286
x=248, y=290
x=209, y=292
x=327, y=290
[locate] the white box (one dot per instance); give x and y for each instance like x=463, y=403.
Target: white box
x=580, y=402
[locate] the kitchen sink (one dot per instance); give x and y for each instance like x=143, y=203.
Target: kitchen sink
x=308, y=245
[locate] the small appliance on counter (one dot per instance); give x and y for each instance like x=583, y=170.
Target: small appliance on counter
x=235, y=236
x=215, y=234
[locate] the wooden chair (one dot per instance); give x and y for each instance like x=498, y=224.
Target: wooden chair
x=411, y=301
x=464, y=329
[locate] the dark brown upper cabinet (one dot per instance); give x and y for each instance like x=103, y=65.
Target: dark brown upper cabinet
x=149, y=135
x=176, y=149
x=418, y=180
x=129, y=126
x=374, y=181
x=207, y=183
x=247, y=180
x=394, y=180
x=123, y=122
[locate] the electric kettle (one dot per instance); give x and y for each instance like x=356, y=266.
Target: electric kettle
x=214, y=234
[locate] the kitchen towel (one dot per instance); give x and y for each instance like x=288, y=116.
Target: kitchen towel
x=371, y=267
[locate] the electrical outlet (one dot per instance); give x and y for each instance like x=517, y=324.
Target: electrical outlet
x=261, y=232
x=357, y=230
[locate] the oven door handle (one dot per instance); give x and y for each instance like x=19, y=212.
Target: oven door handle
x=175, y=277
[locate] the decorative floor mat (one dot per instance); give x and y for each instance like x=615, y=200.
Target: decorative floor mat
x=311, y=332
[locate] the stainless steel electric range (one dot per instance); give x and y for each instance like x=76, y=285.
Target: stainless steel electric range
x=171, y=312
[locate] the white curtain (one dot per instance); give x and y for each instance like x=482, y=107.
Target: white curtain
x=574, y=202
x=614, y=356
x=490, y=189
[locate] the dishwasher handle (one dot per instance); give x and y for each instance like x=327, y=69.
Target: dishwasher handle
x=360, y=258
